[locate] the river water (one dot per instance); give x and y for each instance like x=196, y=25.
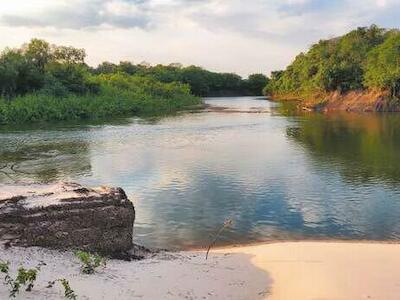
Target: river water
x=275, y=173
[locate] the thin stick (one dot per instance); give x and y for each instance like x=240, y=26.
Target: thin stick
x=226, y=224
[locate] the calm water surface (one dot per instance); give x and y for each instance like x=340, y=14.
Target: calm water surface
x=276, y=174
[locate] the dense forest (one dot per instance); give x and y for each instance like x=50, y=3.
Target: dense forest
x=202, y=82
x=363, y=59
x=44, y=82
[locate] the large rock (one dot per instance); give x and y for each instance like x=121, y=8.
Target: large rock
x=65, y=216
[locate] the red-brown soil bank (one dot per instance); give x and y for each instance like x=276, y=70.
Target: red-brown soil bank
x=356, y=101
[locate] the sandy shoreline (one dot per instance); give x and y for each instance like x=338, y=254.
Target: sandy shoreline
x=278, y=270
x=328, y=269
x=282, y=241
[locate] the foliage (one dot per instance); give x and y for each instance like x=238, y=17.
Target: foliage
x=44, y=82
x=4, y=267
x=90, y=262
x=363, y=58
x=105, y=68
x=201, y=82
x=37, y=64
x=382, y=69
x=68, y=55
x=111, y=101
x=73, y=78
x=38, y=53
x=256, y=83
x=68, y=292
x=25, y=278
x=17, y=75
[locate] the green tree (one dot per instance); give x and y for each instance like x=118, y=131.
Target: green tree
x=330, y=65
x=106, y=68
x=18, y=75
x=382, y=69
x=68, y=55
x=38, y=52
x=255, y=84
x=127, y=67
x=197, y=79
x=73, y=77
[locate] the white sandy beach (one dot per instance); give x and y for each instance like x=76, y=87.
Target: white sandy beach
x=284, y=270
x=328, y=270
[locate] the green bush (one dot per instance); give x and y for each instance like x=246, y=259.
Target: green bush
x=69, y=293
x=118, y=95
x=90, y=262
x=25, y=278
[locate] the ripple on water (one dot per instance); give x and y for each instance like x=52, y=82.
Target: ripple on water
x=276, y=176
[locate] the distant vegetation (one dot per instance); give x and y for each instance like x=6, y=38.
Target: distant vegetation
x=43, y=82
x=363, y=59
x=202, y=82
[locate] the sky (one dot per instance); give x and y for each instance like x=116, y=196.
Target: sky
x=241, y=36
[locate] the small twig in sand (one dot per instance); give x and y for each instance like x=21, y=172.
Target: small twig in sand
x=227, y=223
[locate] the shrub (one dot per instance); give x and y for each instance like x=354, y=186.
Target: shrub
x=25, y=278
x=68, y=292
x=142, y=97
x=90, y=262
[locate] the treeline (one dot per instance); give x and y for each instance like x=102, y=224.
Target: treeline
x=202, y=82
x=44, y=82
x=365, y=58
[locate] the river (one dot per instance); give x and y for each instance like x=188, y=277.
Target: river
x=275, y=173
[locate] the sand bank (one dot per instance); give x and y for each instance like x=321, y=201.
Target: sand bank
x=328, y=270
x=284, y=270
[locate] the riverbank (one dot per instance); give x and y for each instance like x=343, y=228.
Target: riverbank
x=327, y=270
x=283, y=270
x=354, y=101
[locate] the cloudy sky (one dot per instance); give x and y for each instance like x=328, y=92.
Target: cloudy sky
x=243, y=36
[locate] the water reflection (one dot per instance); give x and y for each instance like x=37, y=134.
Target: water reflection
x=277, y=174
x=364, y=146
x=26, y=159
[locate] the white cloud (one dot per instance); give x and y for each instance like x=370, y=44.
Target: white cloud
x=223, y=35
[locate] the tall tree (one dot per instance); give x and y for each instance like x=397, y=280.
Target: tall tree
x=38, y=52
x=382, y=69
